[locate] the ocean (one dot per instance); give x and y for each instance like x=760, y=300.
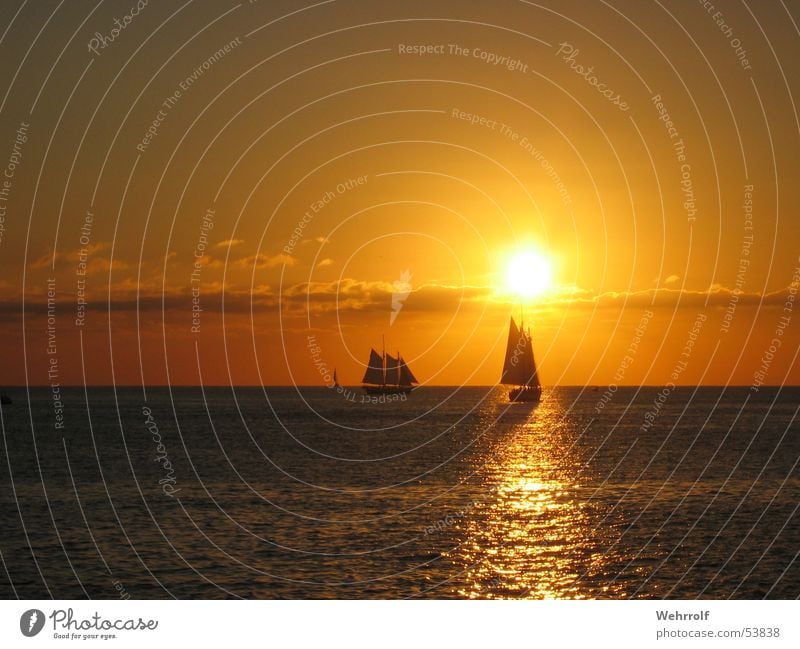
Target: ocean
x=451, y=493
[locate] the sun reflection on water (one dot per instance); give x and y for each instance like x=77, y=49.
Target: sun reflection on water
x=531, y=534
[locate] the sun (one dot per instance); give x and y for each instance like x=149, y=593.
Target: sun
x=528, y=274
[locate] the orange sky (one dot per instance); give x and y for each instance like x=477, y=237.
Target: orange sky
x=335, y=156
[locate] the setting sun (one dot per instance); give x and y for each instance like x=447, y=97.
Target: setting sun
x=528, y=274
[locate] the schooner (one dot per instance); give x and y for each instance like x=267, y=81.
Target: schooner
x=519, y=368
x=387, y=374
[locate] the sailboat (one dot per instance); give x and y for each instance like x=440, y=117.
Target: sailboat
x=387, y=374
x=335, y=380
x=519, y=368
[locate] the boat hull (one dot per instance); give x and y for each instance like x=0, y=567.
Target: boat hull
x=523, y=394
x=387, y=389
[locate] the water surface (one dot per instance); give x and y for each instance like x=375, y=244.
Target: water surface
x=449, y=494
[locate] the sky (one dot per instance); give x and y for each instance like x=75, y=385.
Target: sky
x=259, y=192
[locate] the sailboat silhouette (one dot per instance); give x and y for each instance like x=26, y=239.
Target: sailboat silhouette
x=387, y=374
x=519, y=367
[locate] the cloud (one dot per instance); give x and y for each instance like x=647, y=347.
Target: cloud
x=47, y=260
x=207, y=261
x=229, y=243
x=715, y=295
x=325, y=262
x=265, y=261
x=60, y=259
x=348, y=293
x=671, y=279
x=351, y=294
x=375, y=296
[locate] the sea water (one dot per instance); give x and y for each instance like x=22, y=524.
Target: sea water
x=451, y=493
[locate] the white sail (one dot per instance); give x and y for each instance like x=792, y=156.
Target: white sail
x=391, y=370
x=374, y=373
x=406, y=377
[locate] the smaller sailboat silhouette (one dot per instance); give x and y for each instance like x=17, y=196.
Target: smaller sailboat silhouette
x=335, y=379
x=387, y=374
x=519, y=367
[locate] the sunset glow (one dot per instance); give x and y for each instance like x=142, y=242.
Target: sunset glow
x=219, y=214
x=529, y=274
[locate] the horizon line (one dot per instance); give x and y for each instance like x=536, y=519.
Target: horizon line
x=443, y=385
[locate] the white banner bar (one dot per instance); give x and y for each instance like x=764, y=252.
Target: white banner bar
x=462, y=624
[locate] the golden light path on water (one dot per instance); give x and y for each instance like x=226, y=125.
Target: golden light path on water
x=536, y=532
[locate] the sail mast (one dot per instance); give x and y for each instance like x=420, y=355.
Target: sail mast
x=522, y=337
x=526, y=367
x=391, y=370
x=534, y=380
